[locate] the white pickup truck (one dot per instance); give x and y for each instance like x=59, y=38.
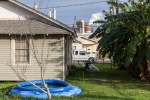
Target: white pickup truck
x=81, y=55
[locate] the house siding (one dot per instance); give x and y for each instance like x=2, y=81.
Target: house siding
x=10, y=11
x=91, y=48
x=53, y=43
x=54, y=68
x=70, y=62
x=6, y=72
x=68, y=54
x=78, y=45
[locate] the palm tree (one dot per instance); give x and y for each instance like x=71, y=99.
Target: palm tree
x=126, y=37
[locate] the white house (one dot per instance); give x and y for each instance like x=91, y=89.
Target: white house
x=84, y=30
x=20, y=26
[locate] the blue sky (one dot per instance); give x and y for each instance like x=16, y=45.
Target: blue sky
x=66, y=14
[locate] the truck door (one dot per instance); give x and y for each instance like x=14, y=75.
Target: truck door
x=76, y=55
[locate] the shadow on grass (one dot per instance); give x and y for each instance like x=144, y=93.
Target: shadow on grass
x=5, y=91
x=5, y=95
x=101, y=97
x=112, y=78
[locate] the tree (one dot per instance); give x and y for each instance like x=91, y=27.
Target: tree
x=126, y=37
x=39, y=53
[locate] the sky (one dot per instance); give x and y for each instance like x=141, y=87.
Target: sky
x=87, y=10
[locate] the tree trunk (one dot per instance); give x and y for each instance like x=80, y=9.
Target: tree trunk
x=47, y=89
x=133, y=70
x=141, y=70
x=144, y=73
x=44, y=84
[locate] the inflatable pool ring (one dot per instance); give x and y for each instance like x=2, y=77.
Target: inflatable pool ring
x=65, y=89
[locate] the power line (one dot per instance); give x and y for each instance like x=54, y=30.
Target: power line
x=93, y=25
x=77, y=4
x=73, y=5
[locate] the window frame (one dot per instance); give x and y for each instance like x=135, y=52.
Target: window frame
x=13, y=52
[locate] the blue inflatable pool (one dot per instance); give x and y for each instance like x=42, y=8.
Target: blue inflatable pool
x=57, y=88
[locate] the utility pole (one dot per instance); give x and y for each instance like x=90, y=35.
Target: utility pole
x=117, y=10
x=111, y=9
x=75, y=21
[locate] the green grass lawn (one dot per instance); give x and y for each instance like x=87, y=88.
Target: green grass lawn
x=104, y=85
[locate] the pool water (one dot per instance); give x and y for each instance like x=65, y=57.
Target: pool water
x=41, y=86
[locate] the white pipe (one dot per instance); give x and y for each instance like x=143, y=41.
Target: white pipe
x=50, y=13
x=54, y=13
x=82, y=21
x=35, y=6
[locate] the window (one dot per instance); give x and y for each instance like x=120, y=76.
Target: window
x=21, y=50
x=74, y=47
x=76, y=52
x=82, y=53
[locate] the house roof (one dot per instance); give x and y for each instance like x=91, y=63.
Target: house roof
x=85, y=41
x=44, y=16
x=28, y=27
x=92, y=40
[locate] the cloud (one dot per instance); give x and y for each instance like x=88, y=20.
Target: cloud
x=95, y=17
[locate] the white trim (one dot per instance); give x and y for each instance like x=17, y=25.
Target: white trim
x=30, y=51
x=63, y=53
x=12, y=50
x=72, y=51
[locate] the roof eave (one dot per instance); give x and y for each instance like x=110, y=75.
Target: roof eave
x=45, y=16
x=88, y=39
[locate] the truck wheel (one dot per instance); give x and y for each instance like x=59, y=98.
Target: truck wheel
x=91, y=60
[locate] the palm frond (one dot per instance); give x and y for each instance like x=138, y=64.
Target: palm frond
x=132, y=48
x=99, y=22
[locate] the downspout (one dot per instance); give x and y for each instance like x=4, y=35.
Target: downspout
x=63, y=53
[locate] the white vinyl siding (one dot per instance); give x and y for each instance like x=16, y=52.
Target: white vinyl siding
x=6, y=73
x=54, y=67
